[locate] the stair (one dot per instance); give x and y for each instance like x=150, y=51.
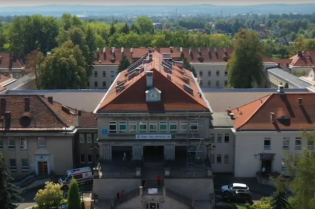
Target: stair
x=127, y=196
x=152, y=170
x=180, y=198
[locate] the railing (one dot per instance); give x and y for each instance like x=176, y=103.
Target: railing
x=128, y=196
x=180, y=198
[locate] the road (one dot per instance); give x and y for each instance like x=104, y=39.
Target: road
x=30, y=194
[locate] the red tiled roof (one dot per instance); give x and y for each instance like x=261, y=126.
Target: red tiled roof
x=87, y=119
x=288, y=114
x=173, y=96
x=303, y=59
x=5, y=59
x=4, y=78
x=41, y=115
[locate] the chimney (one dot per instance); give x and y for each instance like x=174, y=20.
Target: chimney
x=7, y=119
x=228, y=111
x=300, y=101
x=300, y=54
x=113, y=51
x=190, y=51
x=280, y=89
x=181, y=49
x=10, y=63
x=171, y=49
x=149, y=76
x=122, y=50
x=272, y=117
x=26, y=104
x=3, y=106
x=79, y=112
x=50, y=100
x=0, y=60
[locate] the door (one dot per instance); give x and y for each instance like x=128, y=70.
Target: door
x=169, y=152
x=42, y=168
x=137, y=152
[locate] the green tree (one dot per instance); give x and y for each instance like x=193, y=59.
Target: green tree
x=279, y=199
x=189, y=67
x=66, y=62
x=49, y=197
x=34, y=61
x=74, y=201
x=9, y=193
x=302, y=168
x=112, y=29
x=246, y=66
x=124, y=63
x=125, y=29
x=286, y=85
x=144, y=25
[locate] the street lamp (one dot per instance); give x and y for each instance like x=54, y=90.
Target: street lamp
x=209, y=148
x=94, y=148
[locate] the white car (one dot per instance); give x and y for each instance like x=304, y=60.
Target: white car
x=234, y=187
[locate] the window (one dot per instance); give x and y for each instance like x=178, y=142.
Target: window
x=104, y=73
x=112, y=74
x=209, y=73
x=122, y=127
x=194, y=126
x=219, y=138
x=24, y=164
x=11, y=143
x=173, y=127
x=298, y=143
x=104, y=84
x=226, y=159
x=82, y=138
x=283, y=165
x=90, y=158
x=23, y=143
x=219, y=159
x=200, y=73
x=267, y=144
x=286, y=143
x=143, y=127
x=1, y=143
x=310, y=145
x=183, y=126
x=153, y=127
x=41, y=142
x=95, y=84
x=89, y=138
x=225, y=83
x=112, y=127
x=12, y=164
x=132, y=127
x=212, y=158
x=82, y=158
x=95, y=73
x=209, y=83
x=200, y=83
x=211, y=138
x=217, y=83
x=226, y=138
x=163, y=127
x=217, y=73
x=226, y=73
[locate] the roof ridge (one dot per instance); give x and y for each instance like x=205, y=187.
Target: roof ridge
x=254, y=113
x=41, y=98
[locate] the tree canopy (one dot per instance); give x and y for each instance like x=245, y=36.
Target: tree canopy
x=124, y=63
x=49, y=197
x=74, y=201
x=246, y=65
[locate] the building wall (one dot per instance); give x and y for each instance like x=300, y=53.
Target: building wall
x=102, y=76
x=222, y=155
x=249, y=144
x=275, y=81
x=303, y=70
x=57, y=154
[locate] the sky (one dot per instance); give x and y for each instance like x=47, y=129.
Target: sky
x=147, y=2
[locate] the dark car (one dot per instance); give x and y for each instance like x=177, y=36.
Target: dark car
x=238, y=196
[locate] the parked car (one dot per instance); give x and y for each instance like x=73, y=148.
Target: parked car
x=233, y=188
x=243, y=196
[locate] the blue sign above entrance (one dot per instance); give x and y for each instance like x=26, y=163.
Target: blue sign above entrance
x=104, y=131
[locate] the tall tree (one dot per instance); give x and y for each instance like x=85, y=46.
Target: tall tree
x=65, y=68
x=34, y=60
x=279, y=199
x=74, y=201
x=49, y=197
x=144, y=25
x=246, y=65
x=125, y=29
x=112, y=30
x=9, y=193
x=124, y=63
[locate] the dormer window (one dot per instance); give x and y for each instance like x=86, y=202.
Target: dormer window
x=153, y=95
x=284, y=117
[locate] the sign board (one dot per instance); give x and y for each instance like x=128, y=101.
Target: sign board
x=152, y=190
x=104, y=131
x=153, y=136
x=63, y=206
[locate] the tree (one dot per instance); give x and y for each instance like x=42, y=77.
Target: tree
x=9, y=193
x=34, y=60
x=286, y=85
x=49, y=197
x=125, y=29
x=112, y=30
x=189, y=67
x=65, y=68
x=74, y=201
x=124, y=63
x=246, y=66
x=144, y=25
x=302, y=168
x=279, y=199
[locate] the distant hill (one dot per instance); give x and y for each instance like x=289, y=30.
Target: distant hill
x=135, y=10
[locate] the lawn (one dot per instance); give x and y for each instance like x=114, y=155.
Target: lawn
x=241, y=207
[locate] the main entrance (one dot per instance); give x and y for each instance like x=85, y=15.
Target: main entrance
x=153, y=153
x=42, y=168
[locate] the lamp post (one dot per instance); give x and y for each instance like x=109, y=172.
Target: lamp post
x=209, y=148
x=94, y=147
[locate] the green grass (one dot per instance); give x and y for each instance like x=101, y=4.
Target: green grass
x=241, y=207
